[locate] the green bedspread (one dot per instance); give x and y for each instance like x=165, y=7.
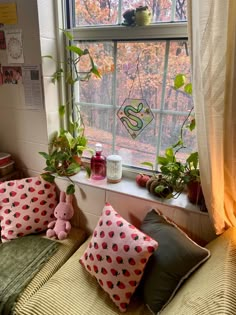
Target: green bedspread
x=20, y=260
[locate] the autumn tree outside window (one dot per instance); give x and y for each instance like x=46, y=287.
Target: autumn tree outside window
x=159, y=51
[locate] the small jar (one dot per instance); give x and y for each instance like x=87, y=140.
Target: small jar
x=114, y=168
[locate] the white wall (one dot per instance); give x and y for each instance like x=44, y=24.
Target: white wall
x=23, y=132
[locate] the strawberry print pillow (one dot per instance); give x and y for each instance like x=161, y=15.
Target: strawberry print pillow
x=26, y=206
x=117, y=255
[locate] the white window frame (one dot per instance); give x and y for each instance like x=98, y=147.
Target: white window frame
x=154, y=31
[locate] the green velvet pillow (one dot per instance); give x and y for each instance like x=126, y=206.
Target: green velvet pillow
x=176, y=258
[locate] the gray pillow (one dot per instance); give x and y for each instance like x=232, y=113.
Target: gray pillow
x=175, y=259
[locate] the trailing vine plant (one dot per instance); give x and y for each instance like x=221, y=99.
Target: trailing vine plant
x=67, y=145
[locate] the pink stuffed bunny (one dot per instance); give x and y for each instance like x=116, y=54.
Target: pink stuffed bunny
x=64, y=211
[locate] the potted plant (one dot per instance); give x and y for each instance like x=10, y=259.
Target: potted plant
x=68, y=144
x=175, y=175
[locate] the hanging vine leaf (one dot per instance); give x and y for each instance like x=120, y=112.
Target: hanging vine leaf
x=62, y=110
x=73, y=169
x=48, y=177
x=45, y=155
x=192, y=124
x=69, y=144
x=94, y=68
x=95, y=71
x=179, y=81
x=57, y=75
x=178, y=143
x=149, y=164
x=188, y=88
x=75, y=50
x=70, y=190
x=70, y=80
x=67, y=34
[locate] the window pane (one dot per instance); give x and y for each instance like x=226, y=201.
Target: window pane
x=170, y=134
x=106, y=12
x=94, y=12
x=98, y=91
x=140, y=71
x=99, y=124
x=136, y=70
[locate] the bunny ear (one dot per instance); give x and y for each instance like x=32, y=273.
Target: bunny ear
x=62, y=196
x=69, y=199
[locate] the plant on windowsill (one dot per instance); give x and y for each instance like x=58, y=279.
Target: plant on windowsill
x=67, y=146
x=175, y=176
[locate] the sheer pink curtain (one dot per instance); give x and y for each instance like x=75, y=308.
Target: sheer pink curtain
x=212, y=33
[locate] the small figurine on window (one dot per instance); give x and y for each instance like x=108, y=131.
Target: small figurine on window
x=140, y=16
x=143, y=16
x=129, y=17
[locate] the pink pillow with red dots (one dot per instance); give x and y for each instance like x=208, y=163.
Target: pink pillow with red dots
x=26, y=206
x=117, y=255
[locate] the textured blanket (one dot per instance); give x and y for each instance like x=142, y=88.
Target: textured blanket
x=20, y=260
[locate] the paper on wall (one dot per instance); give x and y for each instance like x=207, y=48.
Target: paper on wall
x=8, y=13
x=32, y=83
x=14, y=46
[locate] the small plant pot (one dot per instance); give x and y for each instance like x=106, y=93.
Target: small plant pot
x=159, y=187
x=194, y=193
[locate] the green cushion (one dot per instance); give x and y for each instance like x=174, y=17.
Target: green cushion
x=175, y=259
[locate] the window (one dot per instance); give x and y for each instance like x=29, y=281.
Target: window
x=136, y=63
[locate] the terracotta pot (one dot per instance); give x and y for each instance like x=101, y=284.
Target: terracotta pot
x=194, y=192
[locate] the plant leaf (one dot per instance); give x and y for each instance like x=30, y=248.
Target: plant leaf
x=57, y=75
x=159, y=188
x=86, y=51
x=75, y=50
x=94, y=68
x=192, y=124
x=162, y=160
x=169, y=152
x=69, y=79
x=88, y=171
x=70, y=190
x=48, y=177
x=73, y=168
x=178, y=144
x=192, y=160
x=45, y=155
x=95, y=71
x=188, y=88
x=51, y=169
x=62, y=110
x=67, y=34
x=149, y=164
x=179, y=81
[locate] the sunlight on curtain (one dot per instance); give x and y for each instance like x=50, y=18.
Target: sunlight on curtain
x=212, y=33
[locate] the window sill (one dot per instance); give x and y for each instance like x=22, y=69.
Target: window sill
x=129, y=187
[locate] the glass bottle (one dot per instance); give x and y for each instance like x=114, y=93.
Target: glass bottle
x=98, y=164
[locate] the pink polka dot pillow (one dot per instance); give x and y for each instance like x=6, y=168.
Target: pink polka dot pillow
x=26, y=206
x=117, y=255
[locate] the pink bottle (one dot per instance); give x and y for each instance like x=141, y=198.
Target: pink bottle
x=98, y=164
